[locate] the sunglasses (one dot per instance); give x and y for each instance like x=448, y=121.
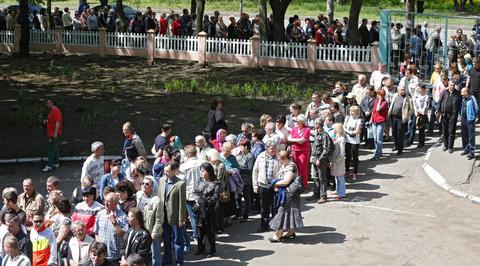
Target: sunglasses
x=38, y=221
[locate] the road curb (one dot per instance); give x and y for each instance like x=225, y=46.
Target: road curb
x=440, y=181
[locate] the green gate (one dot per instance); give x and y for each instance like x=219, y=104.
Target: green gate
x=393, y=50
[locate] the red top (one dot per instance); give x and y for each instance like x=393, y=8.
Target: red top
x=176, y=28
x=297, y=134
x=380, y=116
x=53, y=117
x=163, y=26
x=319, y=38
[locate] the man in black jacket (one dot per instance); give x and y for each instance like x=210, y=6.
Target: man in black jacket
x=448, y=108
x=363, y=33
x=13, y=224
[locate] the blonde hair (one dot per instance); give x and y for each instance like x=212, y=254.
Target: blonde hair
x=212, y=155
x=338, y=127
x=283, y=154
x=355, y=109
x=264, y=119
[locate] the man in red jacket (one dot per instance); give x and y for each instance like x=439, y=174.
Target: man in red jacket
x=54, y=131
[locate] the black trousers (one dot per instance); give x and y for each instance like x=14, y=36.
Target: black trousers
x=351, y=154
x=206, y=236
x=398, y=132
x=449, y=124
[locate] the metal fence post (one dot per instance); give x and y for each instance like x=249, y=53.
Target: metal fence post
x=385, y=38
x=445, y=45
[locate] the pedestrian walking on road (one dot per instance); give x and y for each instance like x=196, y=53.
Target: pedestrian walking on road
x=54, y=131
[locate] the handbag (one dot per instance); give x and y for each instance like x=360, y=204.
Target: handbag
x=296, y=187
x=422, y=121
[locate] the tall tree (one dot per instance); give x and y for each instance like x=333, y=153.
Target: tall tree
x=352, y=32
x=122, y=27
x=410, y=14
x=49, y=15
x=24, y=28
x=262, y=8
x=193, y=6
x=330, y=10
x=200, y=11
x=279, y=8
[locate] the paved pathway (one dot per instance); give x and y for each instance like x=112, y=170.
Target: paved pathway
x=394, y=216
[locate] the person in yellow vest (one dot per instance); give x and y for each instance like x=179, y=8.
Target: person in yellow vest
x=43, y=243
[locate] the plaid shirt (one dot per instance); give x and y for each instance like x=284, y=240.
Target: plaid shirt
x=269, y=166
x=105, y=230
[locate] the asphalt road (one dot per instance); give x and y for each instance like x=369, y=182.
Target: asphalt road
x=394, y=215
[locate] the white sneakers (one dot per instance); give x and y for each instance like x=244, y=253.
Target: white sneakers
x=49, y=168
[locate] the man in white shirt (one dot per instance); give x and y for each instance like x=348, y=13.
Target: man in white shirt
x=360, y=89
x=378, y=75
x=191, y=170
x=93, y=166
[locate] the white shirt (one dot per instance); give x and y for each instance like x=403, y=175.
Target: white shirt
x=359, y=92
x=283, y=134
x=351, y=125
x=273, y=136
x=376, y=78
x=191, y=170
x=93, y=167
x=411, y=88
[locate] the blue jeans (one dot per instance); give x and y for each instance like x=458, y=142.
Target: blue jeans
x=266, y=205
x=468, y=137
x=340, y=181
x=411, y=129
x=157, y=252
x=398, y=132
x=378, y=130
x=193, y=219
x=178, y=242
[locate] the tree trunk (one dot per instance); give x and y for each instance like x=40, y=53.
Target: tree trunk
x=330, y=10
x=455, y=4
x=49, y=14
x=410, y=15
x=122, y=25
x=24, y=28
x=464, y=3
x=200, y=11
x=103, y=3
x=279, y=8
x=193, y=6
x=352, y=32
x=262, y=8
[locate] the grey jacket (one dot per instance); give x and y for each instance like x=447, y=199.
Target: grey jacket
x=153, y=215
x=176, y=200
x=321, y=147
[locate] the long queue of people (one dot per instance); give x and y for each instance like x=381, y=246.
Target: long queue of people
x=125, y=210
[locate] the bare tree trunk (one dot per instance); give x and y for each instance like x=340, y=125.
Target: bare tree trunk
x=49, y=14
x=262, y=8
x=24, y=28
x=352, y=32
x=410, y=15
x=193, y=6
x=279, y=8
x=200, y=11
x=464, y=3
x=456, y=5
x=122, y=27
x=330, y=10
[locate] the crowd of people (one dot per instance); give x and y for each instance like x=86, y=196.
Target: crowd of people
x=123, y=210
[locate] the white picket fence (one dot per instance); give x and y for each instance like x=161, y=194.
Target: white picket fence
x=7, y=37
x=42, y=37
x=282, y=50
x=80, y=38
x=177, y=43
x=126, y=40
x=344, y=53
x=229, y=46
